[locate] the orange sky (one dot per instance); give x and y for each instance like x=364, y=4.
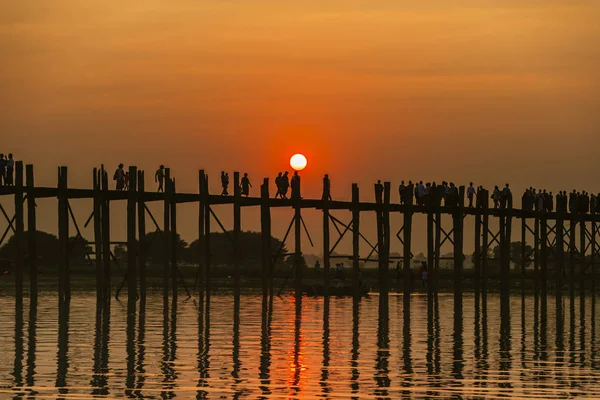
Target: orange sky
x=491, y=91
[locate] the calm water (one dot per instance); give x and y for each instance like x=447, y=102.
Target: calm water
x=344, y=349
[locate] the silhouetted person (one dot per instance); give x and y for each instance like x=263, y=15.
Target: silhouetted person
x=159, y=177
x=126, y=181
x=470, y=194
x=401, y=190
x=550, y=206
x=10, y=168
x=285, y=184
x=119, y=176
x=295, y=184
x=496, y=196
x=326, y=188
x=224, y=183
x=317, y=265
x=506, y=195
x=245, y=185
x=378, y=192
x=278, y=184
x=2, y=170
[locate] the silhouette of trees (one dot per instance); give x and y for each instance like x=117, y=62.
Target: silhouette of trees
x=47, y=249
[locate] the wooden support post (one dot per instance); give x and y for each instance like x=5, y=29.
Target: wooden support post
x=19, y=230
x=63, y=235
x=207, y=248
x=430, y=251
x=265, y=236
x=477, y=253
x=536, y=252
x=384, y=256
x=31, y=233
x=572, y=249
x=106, y=261
x=593, y=253
x=523, y=252
x=237, y=223
x=98, y=234
x=166, y=232
x=458, y=223
x=201, y=231
x=380, y=234
x=544, y=256
x=508, y=238
x=326, y=266
x=406, y=256
x=174, y=239
x=298, y=243
x=582, y=263
x=486, y=244
x=355, y=239
x=131, y=237
x=438, y=249
x=560, y=256
x=142, y=245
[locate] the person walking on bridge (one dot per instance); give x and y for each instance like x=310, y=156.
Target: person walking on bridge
x=470, y=194
x=224, y=183
x=326, y=188
x=159, y=177
x=401, y=190
x=246, y=185
x=2, y=170
x=278, y=184
x=119, y=176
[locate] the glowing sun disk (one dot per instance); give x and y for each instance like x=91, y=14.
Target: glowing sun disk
x=298, y=162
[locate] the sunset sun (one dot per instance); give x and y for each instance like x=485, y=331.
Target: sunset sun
x=298, y=162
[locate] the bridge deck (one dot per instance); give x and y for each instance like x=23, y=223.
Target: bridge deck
x=73, y=193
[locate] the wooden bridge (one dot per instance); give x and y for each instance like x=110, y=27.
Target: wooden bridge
x=571, y=238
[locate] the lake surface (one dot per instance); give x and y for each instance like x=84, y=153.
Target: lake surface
x=344, y=349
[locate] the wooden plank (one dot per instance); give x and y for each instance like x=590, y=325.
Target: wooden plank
x=430, y=252
x=438, y=249
x=31, y=234
x=63, y=235
x=582, y=265
x=485, y=240
x=560, y=255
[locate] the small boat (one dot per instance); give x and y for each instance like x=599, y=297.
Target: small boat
x=319, y=290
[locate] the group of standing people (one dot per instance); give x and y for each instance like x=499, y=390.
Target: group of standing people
x=284, y=183
x=245, y=184
x=122, y=178
x=427, y=194
x=7, y=169
x=574, y=202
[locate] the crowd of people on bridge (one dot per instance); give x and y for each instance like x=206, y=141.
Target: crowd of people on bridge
x=423, y=193
x=7, y=168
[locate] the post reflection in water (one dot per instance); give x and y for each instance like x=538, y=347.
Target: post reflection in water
x=62, y=356
x=306, y=348
x=383, y=352
x=265, y=348
x=326, y=351
x=31, y=344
